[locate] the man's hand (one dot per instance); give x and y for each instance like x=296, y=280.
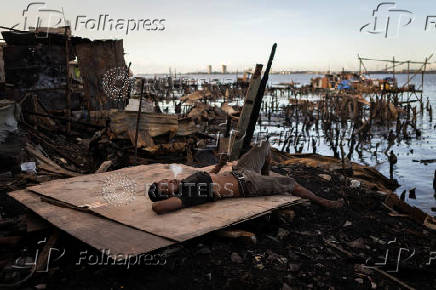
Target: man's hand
x=221, y=163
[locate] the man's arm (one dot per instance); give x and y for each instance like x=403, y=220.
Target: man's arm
x=167, y=205
x=221, y=163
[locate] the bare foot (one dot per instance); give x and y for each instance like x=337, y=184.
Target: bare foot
x=334, y=204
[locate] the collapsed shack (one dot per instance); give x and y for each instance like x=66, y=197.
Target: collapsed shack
x=72, y=93
x=61, y=71
x=43, y=78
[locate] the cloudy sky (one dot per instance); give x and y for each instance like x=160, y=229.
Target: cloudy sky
x=311, y=35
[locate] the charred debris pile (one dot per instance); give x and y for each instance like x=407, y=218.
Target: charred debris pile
x=304, y=246
x=70, y=106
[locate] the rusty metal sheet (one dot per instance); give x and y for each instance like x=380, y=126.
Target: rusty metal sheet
x=96, y=58
x=90, y=191
x=98, y=232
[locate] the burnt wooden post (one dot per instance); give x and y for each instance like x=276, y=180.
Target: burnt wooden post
x=246, y=111
x=393, y=70
x=67, y=80
x=434, y=182
x=138, y=117
x=257, y=103
x=422, y=75
x=392, y=161
x=228, y=126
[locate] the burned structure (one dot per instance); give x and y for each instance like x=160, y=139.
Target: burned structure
x=62, y=72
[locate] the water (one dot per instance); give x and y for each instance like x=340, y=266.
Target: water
x=409, y=174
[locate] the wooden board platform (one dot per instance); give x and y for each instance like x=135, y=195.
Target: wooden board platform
x=98, y=232
x=87, y=192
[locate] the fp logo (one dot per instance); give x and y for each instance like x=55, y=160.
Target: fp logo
x=37, y=15
x=387, y=20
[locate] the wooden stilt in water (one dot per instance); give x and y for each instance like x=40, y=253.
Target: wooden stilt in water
x=392, y=160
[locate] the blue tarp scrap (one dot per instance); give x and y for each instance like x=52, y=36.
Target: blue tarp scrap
x=344, y=84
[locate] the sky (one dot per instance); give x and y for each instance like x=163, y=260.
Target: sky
x=311, y=35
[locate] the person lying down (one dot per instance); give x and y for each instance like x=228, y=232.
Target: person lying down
x=250, y=177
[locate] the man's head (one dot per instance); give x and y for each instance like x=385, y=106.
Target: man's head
x=163, y=189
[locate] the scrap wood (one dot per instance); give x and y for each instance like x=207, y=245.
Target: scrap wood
x=192, y=98
x=144, y=138
x=394, y=202
x=187, y=127
x=430, y=222
x=154, y=124
x=242, y=235
x=67, y=154
x=45, y=122
x=44, y=255
x=228, y=109
x=166, y=148
x=98, y=232
x=47, y=164
x=200, y=110
x=362, y=100
x=393, y=110
x=60, y=203
x=390, y=277
x=365, y=174
x=104, y=166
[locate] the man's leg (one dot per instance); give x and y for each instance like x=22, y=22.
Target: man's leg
x=257, y=159
x=305, y=193
x=260, y=185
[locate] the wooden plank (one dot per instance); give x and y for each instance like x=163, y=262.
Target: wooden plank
x=89, y=192
x=153, y=123
x=98, y=232
x=246, y=112
x=257, y=103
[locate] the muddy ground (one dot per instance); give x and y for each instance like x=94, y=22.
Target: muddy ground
x=318, y=248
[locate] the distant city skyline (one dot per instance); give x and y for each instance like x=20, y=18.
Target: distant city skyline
x=311, y=35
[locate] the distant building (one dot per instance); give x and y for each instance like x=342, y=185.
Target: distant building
x=209, y=69
x=224, y=69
